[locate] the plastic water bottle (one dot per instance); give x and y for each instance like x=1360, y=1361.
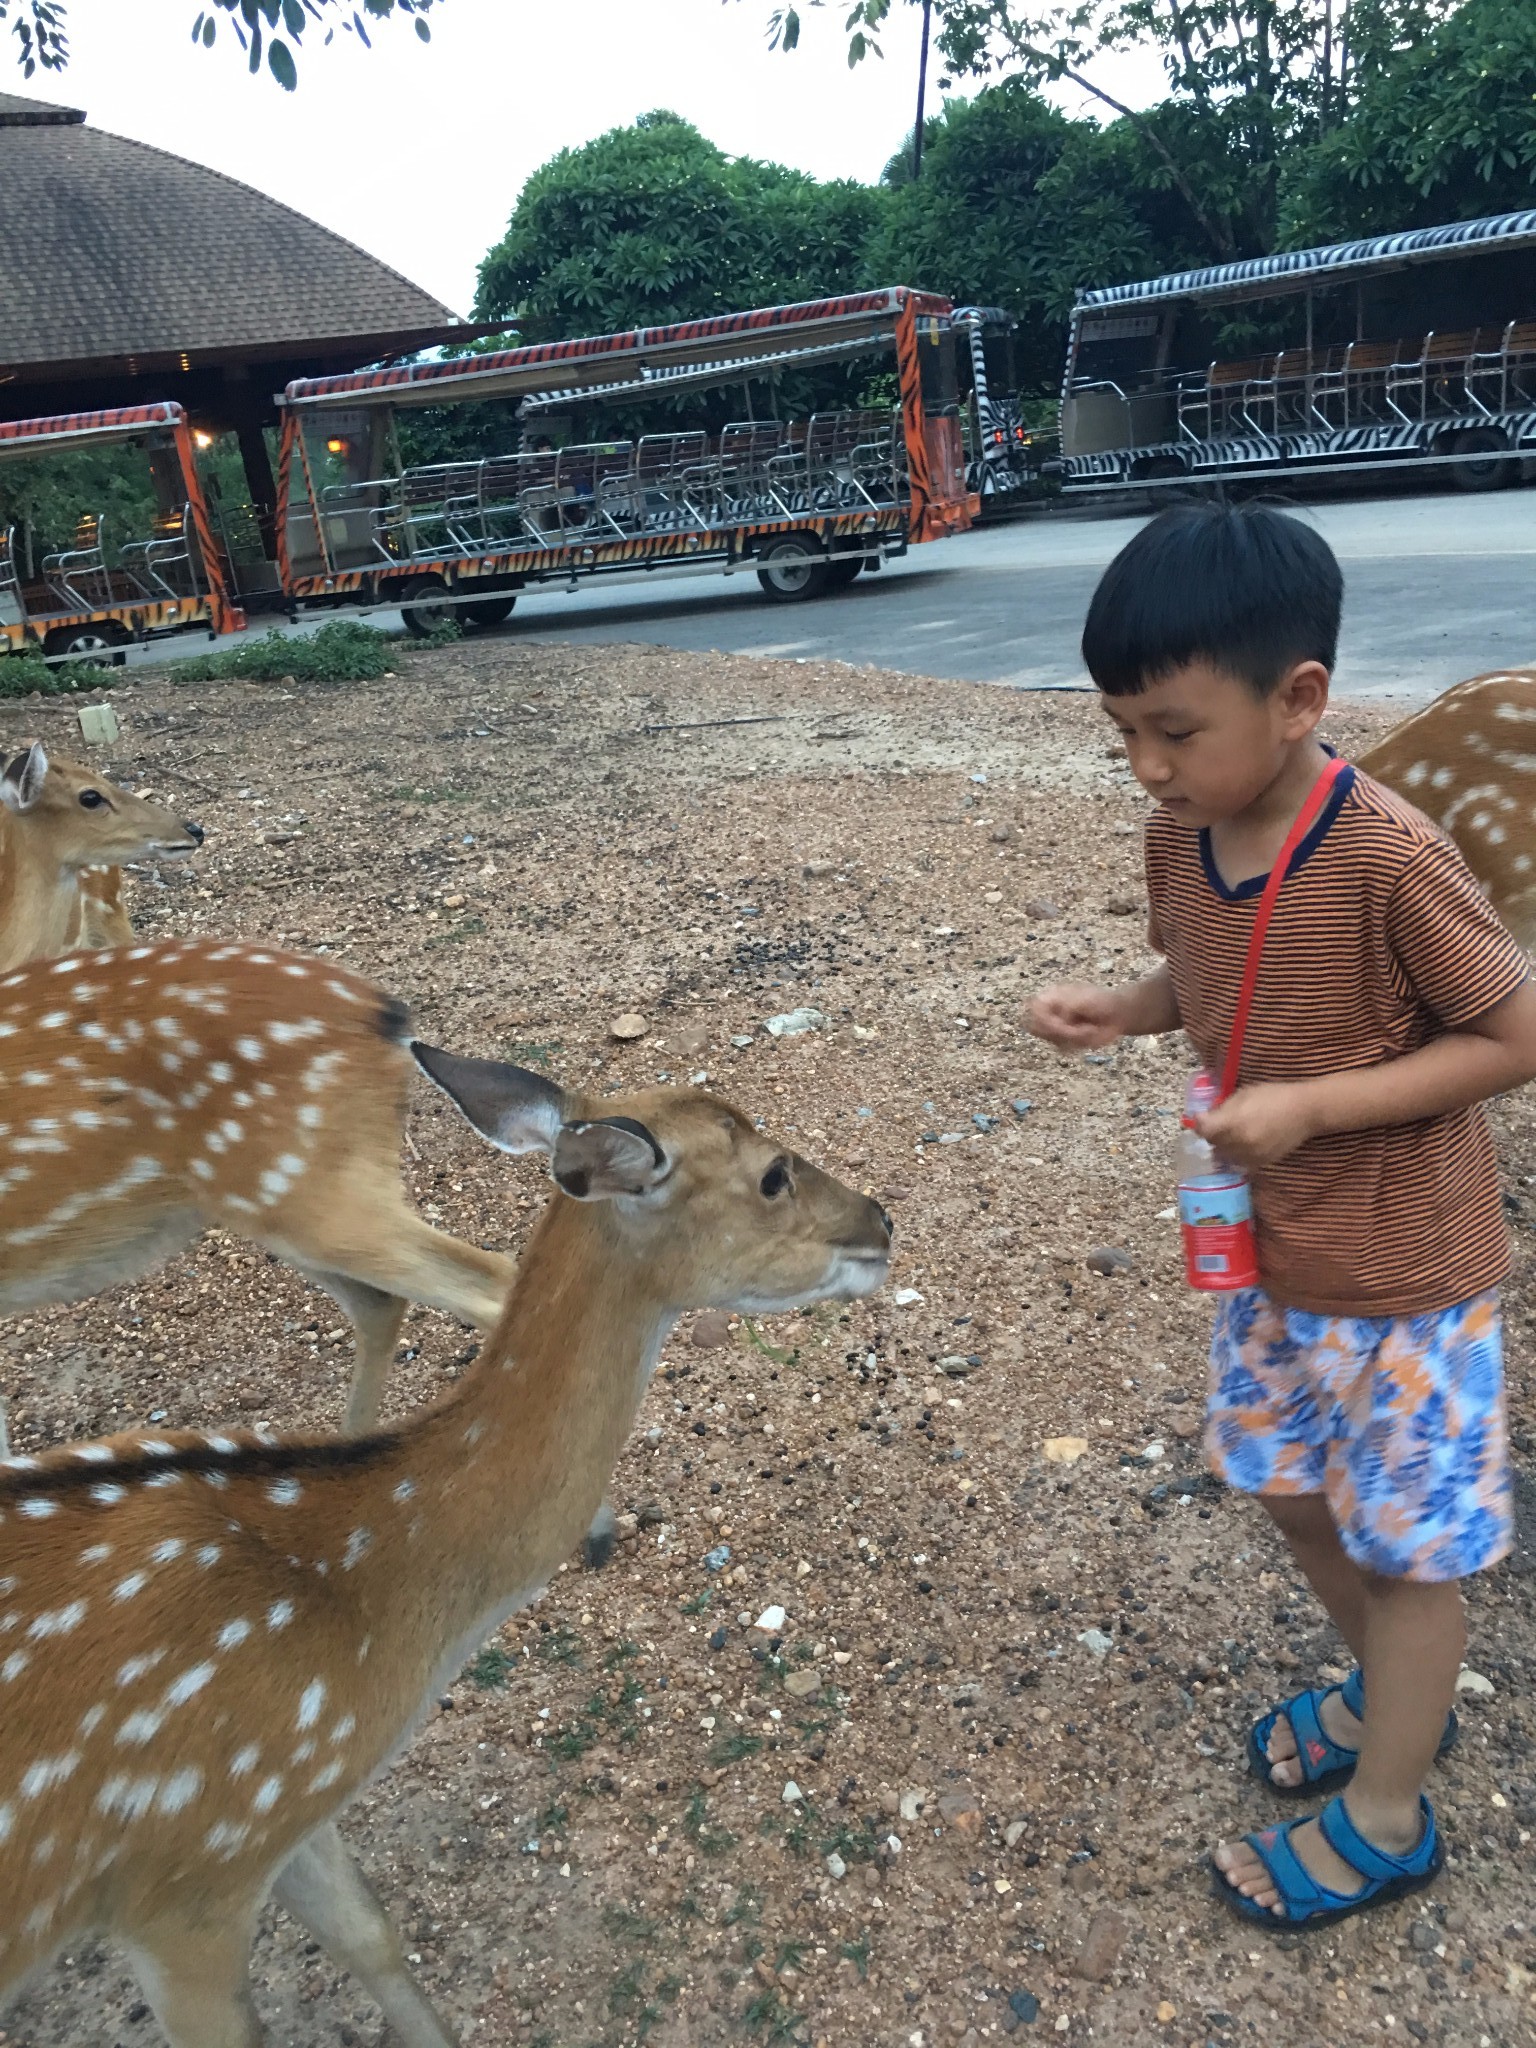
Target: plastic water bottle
x=1215, y=1204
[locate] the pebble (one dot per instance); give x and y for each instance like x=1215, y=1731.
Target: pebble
x=982, y=1121
x=693, y=1038
x=1013, y=1834
x=628, y=1027
x=1154, y=1451
x=803, y=1685
x=717, y=1559
x=1001, y=834
x=791, y=1795
x=993, y=896
x=1109, y=1258
x=1474, y=1682
x=1064, y=1450
x=1095, y=1639
x=906, y=1297
x=791, y=1023
x=1122, y=906
x=1422, y=1937
x=718, y=1640
x=1021, y=1105
x=961, y=1811
x=957, y=1365
x=912, y=1803
x=818, y=870
x=711, y=1330
x=1024, y=2006
x=741, y=1040
x=1042, y=907
x=770, y=1621
x=1101, y=1946
x=1167, y=2011
x=837, y=1869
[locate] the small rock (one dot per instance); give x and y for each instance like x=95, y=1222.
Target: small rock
x=1456, y=1921
x=1185, y=1426
x=1154, y=1451
x=1108, y=1258
x=1101, y=1946
x=1167, y=2011
x=961, y=1811
x=790, y=1023
x=690, y=1041
x=803, y=1685
x=717, y=1559
x=1422, y=1937
x=1024, y=2006
x=741, y=1041
x=791, y=1795
x=718, y=1640
x=912, y=1803
x=992, y=896
x=770, y=1621
x=1013, y=1834
x=711, y=1330
x=628, y=1027
x=818, y=870
x=1041, y=907
x=906, y=1297
x=1095, y=1639
x=890, y=1802
x=982, y=1121
x=1475, y=1683
x=1021, y=1105
x=453, y=903
x=1001, y=834
x=956, y=1365
x=1064, y=1450
x=837, y=1869
x=1122, y=906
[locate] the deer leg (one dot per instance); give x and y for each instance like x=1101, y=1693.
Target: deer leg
x=197, y=1978
x=322, y=1886
x=394, y=1252
x=376, y=1318
x=602, y=1534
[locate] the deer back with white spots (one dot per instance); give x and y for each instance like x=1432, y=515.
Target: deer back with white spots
x=64, y=833
x=1468, y=761
x=150, y=1092
x=208, y=1644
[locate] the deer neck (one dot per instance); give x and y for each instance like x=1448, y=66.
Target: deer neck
x=506, y=1475
x=36, y=897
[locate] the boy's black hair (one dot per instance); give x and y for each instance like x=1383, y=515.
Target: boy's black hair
x=1243, y=587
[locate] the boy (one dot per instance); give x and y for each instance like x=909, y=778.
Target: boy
x=1358, y=1391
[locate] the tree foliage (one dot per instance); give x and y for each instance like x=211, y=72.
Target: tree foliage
x=270, y=29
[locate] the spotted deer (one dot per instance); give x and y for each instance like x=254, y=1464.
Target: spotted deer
x=150, y=1092
x=64, y=833
x=210, y=1643
x=1469, y=762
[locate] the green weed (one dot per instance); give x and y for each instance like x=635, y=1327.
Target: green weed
x=730, y=1749
x=343, y=651
x=492, y=1668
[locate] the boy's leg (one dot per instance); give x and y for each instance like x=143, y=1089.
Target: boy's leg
x=1413, y=1643
x=1306, y=1522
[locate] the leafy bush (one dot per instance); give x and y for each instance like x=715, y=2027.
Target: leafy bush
x=21, y=674
x=343, y=651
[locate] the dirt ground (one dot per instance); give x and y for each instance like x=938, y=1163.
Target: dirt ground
x=965, y=1788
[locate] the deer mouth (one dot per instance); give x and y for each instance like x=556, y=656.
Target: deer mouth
x=173, y=849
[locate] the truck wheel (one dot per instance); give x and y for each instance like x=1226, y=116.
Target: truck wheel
x=1484, y=464
x=422, y=605
x=97, y=644
x=489, y=611
x=792, y=569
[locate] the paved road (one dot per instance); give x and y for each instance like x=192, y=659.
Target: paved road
x=1438, y=588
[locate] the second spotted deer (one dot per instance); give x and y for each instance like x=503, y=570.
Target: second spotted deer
x=211, y=1643
x=1469, y=762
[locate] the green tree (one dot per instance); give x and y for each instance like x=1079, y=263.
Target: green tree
x=41, y=28
x=1446, y=133
x=653, y=223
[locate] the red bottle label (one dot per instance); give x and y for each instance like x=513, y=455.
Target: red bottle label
x=1220, y=1256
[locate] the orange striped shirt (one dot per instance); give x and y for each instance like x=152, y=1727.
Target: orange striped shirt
x=1380, y=941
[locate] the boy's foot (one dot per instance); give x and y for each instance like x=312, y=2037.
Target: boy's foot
x=1322, y=1869
x=1281, y=1750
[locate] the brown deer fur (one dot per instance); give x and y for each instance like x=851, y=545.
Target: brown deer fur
x=208, y=1644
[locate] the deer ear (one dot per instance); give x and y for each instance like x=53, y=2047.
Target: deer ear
x=611, y=1155
x=518, y=1110
x=22, y=783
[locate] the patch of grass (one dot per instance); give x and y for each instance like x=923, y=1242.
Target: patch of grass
x=730, y=1749
x=553, y=1819
x=343, y=651
x=855, y=1842
x=624, y=1924
x=21, y=674
x=700, y=1601
x=744, y=1910
x=768, y=2014
x=791, y=1956
x=621, y=1653
x=456, y=934
x=770, y=1351
x=561, y=1646
x=575, y=1741
x=534, y=1052
x=491, y=1669
x=857, y=1953
x=697, y=1825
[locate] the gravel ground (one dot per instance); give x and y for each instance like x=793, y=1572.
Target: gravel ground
x=964, y=1788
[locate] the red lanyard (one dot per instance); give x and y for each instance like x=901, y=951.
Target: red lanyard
x=1306, y=818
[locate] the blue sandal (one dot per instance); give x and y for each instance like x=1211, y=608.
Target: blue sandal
x=1325, y=1764
x=1309, y=1904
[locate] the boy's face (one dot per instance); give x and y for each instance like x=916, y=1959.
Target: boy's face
x=1204, y=745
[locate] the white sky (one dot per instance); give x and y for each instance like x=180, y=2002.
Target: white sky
x=417, y=152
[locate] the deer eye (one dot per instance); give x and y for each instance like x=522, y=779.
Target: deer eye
x=91, y=800
x=775, y=1181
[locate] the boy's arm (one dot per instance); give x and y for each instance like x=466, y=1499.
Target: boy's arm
x=1489, y=1055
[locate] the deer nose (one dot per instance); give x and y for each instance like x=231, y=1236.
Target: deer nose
x=193, y=831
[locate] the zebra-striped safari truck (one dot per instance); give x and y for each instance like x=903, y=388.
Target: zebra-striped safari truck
x=804, y=504
x=1410, y=350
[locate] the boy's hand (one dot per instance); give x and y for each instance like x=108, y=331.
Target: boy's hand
x=1078, y=1018
x=1258, y=1125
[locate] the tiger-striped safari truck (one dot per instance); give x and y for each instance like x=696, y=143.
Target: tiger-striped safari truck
x=88, y=592
x=804, y=503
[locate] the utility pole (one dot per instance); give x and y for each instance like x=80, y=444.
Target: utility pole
x=922, y=87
